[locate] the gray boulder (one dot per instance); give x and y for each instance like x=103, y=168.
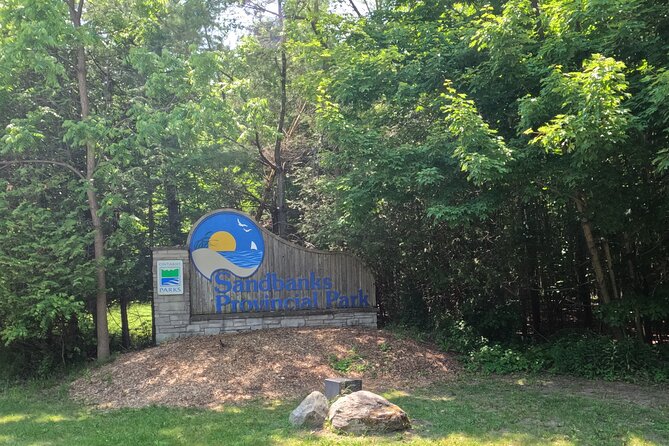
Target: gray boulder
x=312, y=411
x=364, y=411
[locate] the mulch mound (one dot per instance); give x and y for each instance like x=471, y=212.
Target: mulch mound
x=210, y=371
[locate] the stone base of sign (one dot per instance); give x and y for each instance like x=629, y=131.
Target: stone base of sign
x=172, y=318
x=171, y=313
x=248, y=321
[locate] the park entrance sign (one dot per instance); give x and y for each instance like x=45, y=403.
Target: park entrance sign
x=239, y=276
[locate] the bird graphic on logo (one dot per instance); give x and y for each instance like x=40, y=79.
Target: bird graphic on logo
x=244, y=226
x=226, y=240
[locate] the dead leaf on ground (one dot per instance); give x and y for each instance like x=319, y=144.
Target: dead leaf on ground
x=208, y=371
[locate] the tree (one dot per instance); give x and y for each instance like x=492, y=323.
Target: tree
x=399, y=135
x=47, y=18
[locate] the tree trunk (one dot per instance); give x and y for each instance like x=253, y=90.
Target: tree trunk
x=151, y=217
x=582, y=286
x=125, y=327
x=102, y=327
x=529, y=268
x=641, y=332
x=596, y=262
x=99, y=239
x=281, y=222
x=266, y=196
x=612, y=275
x=173, y=214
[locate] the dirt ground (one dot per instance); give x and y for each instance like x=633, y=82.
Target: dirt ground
x=268, y=364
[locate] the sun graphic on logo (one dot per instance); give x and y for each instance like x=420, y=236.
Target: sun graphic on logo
x=222, y=241
x=226, y=240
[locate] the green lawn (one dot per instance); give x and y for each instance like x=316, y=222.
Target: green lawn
x=472, y=411
x=139, y=322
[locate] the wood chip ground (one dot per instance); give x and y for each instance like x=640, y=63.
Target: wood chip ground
x=211, y=371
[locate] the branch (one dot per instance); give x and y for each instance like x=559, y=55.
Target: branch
x=556, y=191
x=51, y=162
x=369, y=10
x=234, y=141
x=102, y=70
x=260, y=8
x=265, y=10
x=296, y=121
x=263, y=158
x=355, y=8
x=75, y=15
x=229, y=76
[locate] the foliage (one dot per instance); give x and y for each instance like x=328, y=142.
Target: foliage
x=156, y=128
x=350, y=362
x=502, y=167
x=622, y=313
x=473, y=154
x=139, y=321
x=459, y=337
x=595, y=356
x=580, y=354
x=496, y=359
x=45, y=268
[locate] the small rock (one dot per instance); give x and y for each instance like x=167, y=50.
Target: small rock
x=312, y=411
x=365, y=411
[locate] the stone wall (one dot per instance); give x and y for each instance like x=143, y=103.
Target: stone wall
x=172, y=315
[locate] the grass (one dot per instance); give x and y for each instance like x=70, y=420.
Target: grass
x=471, y=411
x=139, y=323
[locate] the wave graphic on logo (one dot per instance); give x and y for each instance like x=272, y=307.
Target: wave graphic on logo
x=227, y=240
x=169, y=281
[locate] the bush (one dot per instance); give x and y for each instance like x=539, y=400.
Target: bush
x=459, y=337
x=596, y=356
x=496, y=359
x=352, y=361
x=586, y=354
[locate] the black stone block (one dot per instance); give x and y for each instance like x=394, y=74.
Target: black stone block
x=341, y=386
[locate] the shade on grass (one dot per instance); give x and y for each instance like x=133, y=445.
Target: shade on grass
x=485, y=412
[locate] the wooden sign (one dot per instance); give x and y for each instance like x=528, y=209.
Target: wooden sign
x=239, y=267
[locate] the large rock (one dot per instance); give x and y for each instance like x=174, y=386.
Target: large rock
x=365, y=411
x=311, y=411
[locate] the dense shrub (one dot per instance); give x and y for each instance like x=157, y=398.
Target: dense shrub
x=585, y=354
x=596, y=356
x=460, y=337
x=497, y=359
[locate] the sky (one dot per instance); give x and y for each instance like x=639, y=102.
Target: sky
x=244, y=16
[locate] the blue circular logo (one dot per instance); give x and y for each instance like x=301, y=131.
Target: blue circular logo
x=226, y=240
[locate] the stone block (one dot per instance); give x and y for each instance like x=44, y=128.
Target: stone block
x=193, y=328
x=172, y=298
x=170, y=307
x=162, y=320
x=163, y=337
x=174, y=329
x=239, y=322
x=340, y=386
x=293, y=322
